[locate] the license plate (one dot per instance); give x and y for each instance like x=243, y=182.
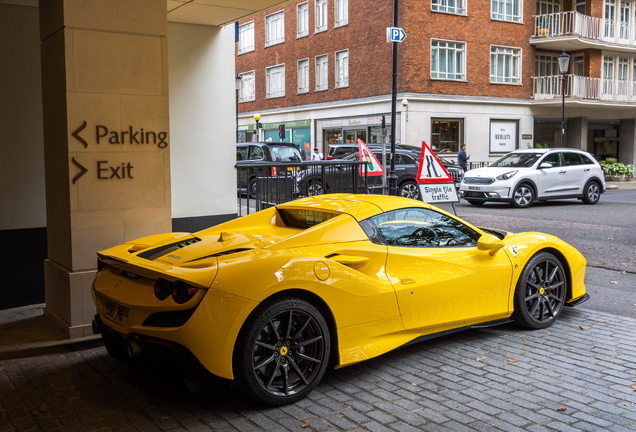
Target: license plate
x=457, y=184
x=474, y=187
x=114, y=312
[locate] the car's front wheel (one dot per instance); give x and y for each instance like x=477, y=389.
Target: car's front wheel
x=592, y=193
x=523, y=196
x=282, y=351
x=409, y=189
x=314, y=188
x=540, y=292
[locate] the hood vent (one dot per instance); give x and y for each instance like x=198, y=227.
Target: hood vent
x=155, y=253
x=227, y=252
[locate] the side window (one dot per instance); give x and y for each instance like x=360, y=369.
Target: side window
x=241, y=153
x=587, y=160
x=407, y=160
x=256, y=153
x=553, y=159
x=571, y=159
x=416, y=227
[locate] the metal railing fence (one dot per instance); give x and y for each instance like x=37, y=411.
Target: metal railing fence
x=574, y=23
x=580, y=87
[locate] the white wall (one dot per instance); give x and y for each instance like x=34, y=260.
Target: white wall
x=22, y=197
x=202, y=120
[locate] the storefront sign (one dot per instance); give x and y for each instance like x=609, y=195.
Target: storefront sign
x=503, y=136
x=357, y=122
x=526, y=136
x=246, y=127
x=288, y=125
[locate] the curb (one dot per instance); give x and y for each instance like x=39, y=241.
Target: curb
x=50, y=347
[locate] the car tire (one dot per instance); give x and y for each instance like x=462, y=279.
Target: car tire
x=591, y=193
x=315, y=188
x=523, y=196
x=252, y=188
x=115, y=349
x=282, y=351
x=475, y=203
x=540, y=293
x=409, y=189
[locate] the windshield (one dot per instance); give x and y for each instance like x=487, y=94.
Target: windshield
x=517, y=160
x=281, y=153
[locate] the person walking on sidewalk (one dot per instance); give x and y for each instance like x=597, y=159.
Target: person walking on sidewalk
x=462, y=159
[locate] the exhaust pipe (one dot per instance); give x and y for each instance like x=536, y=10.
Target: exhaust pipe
x=133, y=348
x=97, y=327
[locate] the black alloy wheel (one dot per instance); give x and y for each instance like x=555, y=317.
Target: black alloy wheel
x=523, y=196
x=251, y=190
x=540, y=293
x=409, y=189
x=592, y=193
x=314, y=188
x=282, y=352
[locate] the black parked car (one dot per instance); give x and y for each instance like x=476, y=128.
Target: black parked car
x=267, y=153
x=406, y=165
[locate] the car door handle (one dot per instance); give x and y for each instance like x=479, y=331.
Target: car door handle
x=407, y=280
x=586, y=169
x=348, y=260
x=561, y=172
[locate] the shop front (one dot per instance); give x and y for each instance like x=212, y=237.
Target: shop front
x=297, y=132
x=350, y=130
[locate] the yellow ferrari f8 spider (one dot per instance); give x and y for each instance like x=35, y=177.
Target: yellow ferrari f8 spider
x=271, y=299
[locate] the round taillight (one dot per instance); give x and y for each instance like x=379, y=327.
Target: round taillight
x=182, y=292
x=163, y=289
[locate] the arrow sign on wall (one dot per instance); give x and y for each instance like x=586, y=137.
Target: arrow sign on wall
x=80, y=166
x=79, y=138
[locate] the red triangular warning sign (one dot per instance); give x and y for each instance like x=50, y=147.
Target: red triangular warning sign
x=431, y=169
x=374, y=167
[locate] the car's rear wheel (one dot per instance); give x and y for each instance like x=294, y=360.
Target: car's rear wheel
x=540, y=292
x=252, y=188
x=592, y=193
x=523, y=196
x=475, y=203
x=115, y=350
x=282, y=351
x=314, y=188
x=409, y=189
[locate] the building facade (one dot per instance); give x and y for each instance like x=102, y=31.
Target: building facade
x=484, y=74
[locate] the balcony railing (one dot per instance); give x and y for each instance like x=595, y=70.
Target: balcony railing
x=574, y=23
x=580, y=87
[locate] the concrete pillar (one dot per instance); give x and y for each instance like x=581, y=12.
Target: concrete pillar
x=627, y=141
x=106, y=140
x=577, y=133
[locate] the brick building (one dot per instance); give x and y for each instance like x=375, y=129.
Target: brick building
x=475, y=72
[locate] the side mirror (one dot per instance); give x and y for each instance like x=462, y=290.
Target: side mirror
x=545, y=165
x=490, y=243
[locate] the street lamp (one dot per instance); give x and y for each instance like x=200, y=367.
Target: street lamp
x=237, y=80
x=564, y=61
x=257, y=117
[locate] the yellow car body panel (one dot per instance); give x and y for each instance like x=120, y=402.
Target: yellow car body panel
x=379, y=297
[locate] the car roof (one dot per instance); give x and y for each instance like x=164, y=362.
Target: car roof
x=538, y=150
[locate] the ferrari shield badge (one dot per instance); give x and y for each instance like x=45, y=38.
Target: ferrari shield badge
x=514, y=250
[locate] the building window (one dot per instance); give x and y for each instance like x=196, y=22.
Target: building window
x=447, y=60
x=246, y=92
x=302, y=18
x=623, y=76
x=547, y=7
x=580, y=6
x=342, y=69
x=546, y=65
x=448, y=6
x=505, y=65
x=275, y=81
x=608, y=74
x=578, y=65
x=275, y=29
x=322, y=79
x=506, y=10
x=447, y=135
x=303, y=76
x=321, y=15
x=246, y=38
x=342, y=12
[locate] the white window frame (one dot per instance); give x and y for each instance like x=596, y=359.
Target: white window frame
x=302, y=21
x=299, y=87
x=505, y=15
x=245, y=96
x=443, y=6
x=269, y=92
x=320, y=86
x=343, y=20
x=246, y=34
x=344, y=82
x=450, y=49
x=280, y=38
x=320, y=15
x=516, y=80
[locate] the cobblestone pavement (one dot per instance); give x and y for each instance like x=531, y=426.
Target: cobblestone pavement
x=564, y=378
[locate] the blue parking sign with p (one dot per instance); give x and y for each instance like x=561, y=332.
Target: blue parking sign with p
x=395, y=34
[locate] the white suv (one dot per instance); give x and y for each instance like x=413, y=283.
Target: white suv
x=524, y=176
